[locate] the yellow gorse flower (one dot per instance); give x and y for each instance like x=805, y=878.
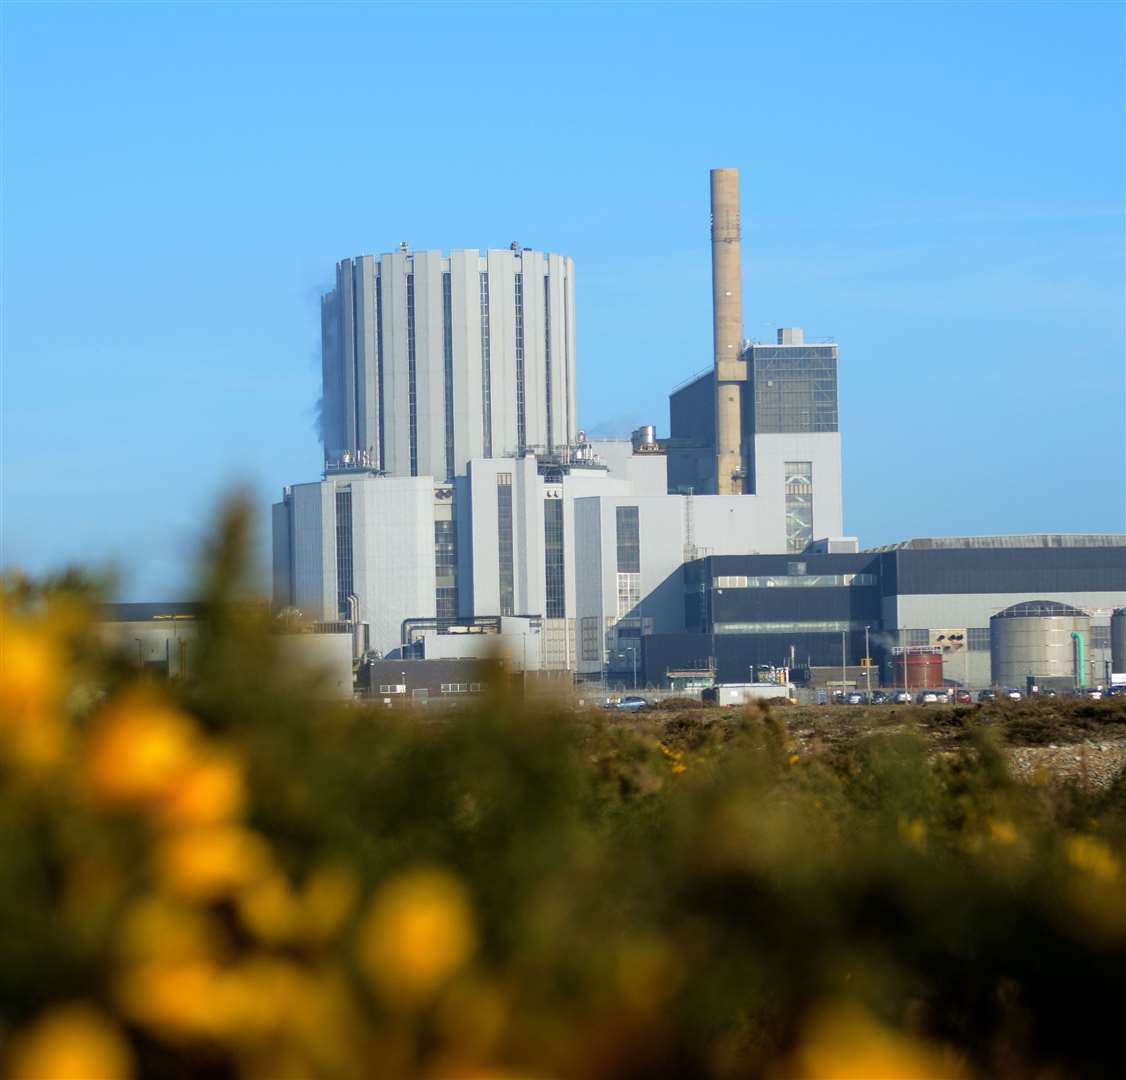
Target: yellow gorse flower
x=418, y=932
x=845, y=1042
x=31, y=731
x=1093, y=857
x=139, y=749
x=71, y=1042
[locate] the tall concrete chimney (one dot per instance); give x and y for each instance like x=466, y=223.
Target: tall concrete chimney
x=727, y=321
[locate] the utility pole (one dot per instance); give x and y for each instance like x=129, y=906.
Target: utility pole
x=868, y=662
x=843, y=661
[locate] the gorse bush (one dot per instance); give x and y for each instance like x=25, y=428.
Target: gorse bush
x=227, y=877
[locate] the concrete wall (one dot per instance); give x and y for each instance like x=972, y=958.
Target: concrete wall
x=393, y=554
x=519, y=644
x=325, y=659
x=392, y=551
x=772, y=452
x=313, y=550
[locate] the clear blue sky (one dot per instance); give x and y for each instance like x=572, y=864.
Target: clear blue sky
x=938, y=187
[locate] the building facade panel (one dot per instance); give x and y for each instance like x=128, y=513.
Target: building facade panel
x=396, y=375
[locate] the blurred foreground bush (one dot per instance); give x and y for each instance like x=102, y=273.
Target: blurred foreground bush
x=230, y=878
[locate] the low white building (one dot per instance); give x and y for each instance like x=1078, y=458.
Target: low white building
x=589, y=544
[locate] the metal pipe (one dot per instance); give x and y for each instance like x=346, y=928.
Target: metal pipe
x=727, y=324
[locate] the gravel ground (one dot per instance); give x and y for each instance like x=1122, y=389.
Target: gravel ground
x=1055, y=741
x=1093, y=764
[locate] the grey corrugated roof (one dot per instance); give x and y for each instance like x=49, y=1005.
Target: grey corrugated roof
x=1019, y=540
x=1027, y=609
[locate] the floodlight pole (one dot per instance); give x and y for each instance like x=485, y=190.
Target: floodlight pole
x=868, y=668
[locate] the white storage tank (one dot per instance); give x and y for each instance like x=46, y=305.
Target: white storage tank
x=1039, y=639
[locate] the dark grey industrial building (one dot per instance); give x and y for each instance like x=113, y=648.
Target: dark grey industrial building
x=939, y=593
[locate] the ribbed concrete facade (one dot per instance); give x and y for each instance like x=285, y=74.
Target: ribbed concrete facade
x=429, y=361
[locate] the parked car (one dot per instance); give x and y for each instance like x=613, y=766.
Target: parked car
x=879, y=697
x=987, y=695
x=963, y=697
x=856, y=698
x=1013, y=694
x=902, y=697
x=1095, y=693
x=942, y=696
x=927, y=697
x=631, y=701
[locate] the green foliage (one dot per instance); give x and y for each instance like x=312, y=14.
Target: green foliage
x=680, y=897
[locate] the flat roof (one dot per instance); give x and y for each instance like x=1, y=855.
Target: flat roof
x=1018, y=540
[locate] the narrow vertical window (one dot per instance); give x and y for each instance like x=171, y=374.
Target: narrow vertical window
x=379, y=364
x=486, y=370
x=357, y=365
x=504, y=541
x=344, y=587
x=629, y=540
x=567, y=356
x=555, y=602
x=412, y=391
x=445, y=571
x=521, y=423
x=629, y=569
x=547, y=357
x=799, y=505
x=448, y=356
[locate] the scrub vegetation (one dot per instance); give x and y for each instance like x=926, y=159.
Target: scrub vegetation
x=228, y=877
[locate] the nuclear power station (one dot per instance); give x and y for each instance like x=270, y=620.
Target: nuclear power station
x=463, y=511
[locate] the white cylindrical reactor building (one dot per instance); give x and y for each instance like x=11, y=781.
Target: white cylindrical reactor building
x=431, y=360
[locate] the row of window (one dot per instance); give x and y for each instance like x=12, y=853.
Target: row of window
x=547, y=357
x=521, y=422
x=412, y=388
x=829, y=626
x=504, y=546
x=486, y=369
x=555, y=601
x=786, y=581
x=448, y=370
x=344, y=580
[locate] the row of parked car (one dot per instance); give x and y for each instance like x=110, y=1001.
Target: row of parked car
x=943, y=695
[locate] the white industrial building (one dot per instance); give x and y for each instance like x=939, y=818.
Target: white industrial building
x=458, y=491
x=592, y=548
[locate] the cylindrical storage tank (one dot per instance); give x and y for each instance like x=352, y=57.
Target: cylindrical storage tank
x=645, y=438
x=1033, y=639
x=1118, y=641
x=917, y=670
